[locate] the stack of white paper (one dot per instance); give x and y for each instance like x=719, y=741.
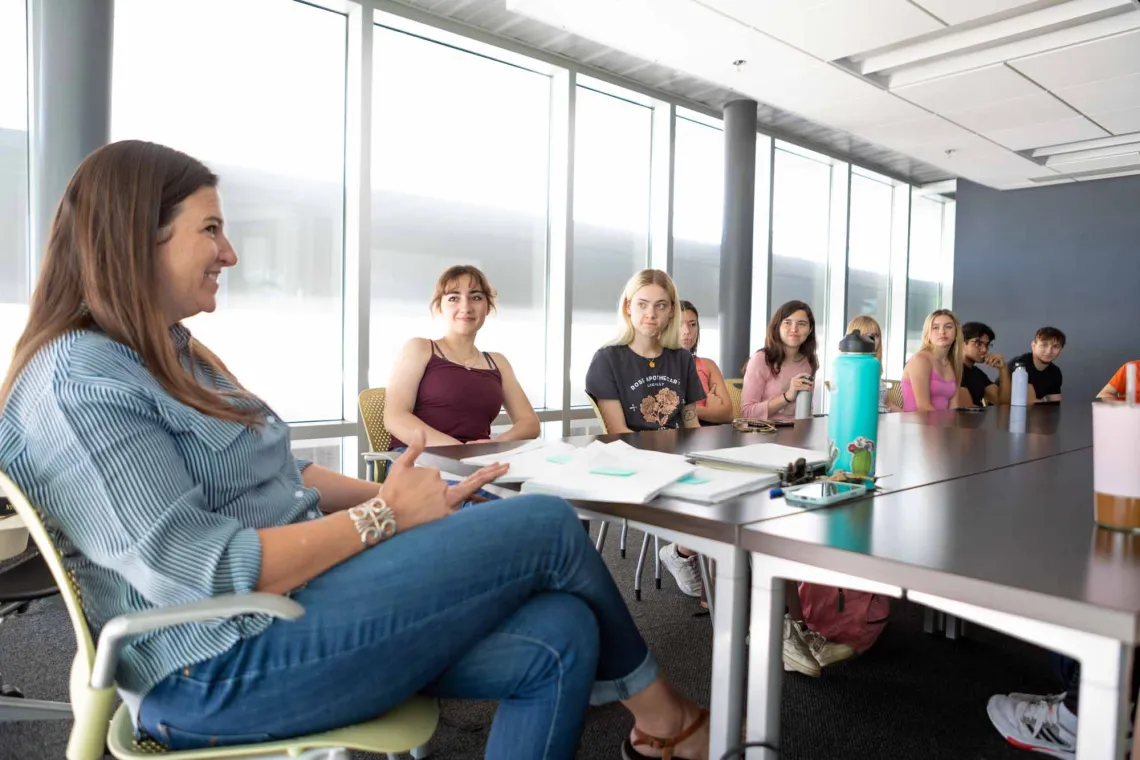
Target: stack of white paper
x=531, y=460
x=709, y=485
x=772, y=457
x=604, y=472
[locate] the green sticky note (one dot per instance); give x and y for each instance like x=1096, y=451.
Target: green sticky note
x=559, y=459
x=616, y=472
x=693, y=480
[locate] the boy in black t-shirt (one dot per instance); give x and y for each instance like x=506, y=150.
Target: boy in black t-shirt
x=979, y=338
x=1044, y=375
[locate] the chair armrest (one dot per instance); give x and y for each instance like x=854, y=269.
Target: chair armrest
x=380, y=456
x=120, y=630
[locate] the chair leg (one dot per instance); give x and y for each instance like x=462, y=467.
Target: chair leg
x=657, y=561
x=420, y=752
x=710, y=591
x=602, y=535
x=640, y=567
x=624, y=535
x=18, y=708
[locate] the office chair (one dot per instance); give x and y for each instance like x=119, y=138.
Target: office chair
x=406, y=728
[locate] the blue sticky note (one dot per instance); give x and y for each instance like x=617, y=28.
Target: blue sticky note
x=616, y=472
x=693, y=480
x=559, y=459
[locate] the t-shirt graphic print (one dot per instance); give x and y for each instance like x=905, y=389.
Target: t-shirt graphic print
x=651, y=397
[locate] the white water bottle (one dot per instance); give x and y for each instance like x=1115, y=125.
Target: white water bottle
x=1019, y=393
x=803, y=405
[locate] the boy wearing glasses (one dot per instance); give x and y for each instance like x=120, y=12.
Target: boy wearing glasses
x=1044, y=375
x=979, y=337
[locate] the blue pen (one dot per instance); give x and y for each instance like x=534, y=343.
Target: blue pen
x=775, y=492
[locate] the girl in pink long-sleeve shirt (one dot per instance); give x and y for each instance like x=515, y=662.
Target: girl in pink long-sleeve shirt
x=785, y=367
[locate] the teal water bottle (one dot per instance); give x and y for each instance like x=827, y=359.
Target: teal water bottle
x=853, y=421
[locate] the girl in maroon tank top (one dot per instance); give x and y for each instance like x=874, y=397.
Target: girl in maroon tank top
x=448, y=387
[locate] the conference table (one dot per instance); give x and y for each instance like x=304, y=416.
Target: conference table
x=986, y=516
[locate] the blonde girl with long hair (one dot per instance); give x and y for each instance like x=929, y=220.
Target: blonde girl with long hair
x=932, y=376
x=868, y=327
x=644, y=379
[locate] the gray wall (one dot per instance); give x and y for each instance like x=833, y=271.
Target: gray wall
x=1067, y=256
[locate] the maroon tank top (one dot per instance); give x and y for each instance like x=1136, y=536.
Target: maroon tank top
x=456, y=400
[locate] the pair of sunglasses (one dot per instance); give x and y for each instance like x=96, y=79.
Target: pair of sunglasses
x=750, y=425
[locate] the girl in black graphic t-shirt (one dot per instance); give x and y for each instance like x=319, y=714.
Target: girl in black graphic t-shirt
x=644, y=380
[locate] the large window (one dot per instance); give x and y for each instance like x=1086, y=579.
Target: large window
x=268, y=115
x=13, y=177
x=869, y=248
x=698, y=216
x=613, y=137
x=927, y=267
x=460, y=157
x=801, y=224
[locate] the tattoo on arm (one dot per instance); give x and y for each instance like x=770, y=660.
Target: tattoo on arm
x=689, y=415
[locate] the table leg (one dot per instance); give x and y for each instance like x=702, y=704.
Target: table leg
x=1105, y=697
x=730, y=630
x=765, y=664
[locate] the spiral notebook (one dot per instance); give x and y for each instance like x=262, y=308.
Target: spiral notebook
x=772, y=457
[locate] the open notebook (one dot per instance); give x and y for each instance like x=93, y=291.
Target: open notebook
x=772, y=457
x=604, y=472
x=531, y=460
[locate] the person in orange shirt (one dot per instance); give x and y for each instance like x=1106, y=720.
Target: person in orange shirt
x=1115, y=389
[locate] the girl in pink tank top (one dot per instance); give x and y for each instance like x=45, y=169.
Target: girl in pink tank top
x=933, y=375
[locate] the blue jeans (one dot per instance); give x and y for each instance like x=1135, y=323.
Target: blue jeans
x=502, y=600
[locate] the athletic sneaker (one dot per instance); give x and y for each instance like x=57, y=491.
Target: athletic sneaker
x=825, y=652
x=1040, y=723
x=685, y=570
x=797, y=653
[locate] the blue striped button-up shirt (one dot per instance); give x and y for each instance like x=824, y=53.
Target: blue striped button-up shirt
x=150, y=502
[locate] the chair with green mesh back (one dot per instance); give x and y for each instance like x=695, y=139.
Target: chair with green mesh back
x=735, y=389
x=407, y=728
x=371, y=402
x=894, y=394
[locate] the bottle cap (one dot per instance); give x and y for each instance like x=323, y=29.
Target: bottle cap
x=855, y=343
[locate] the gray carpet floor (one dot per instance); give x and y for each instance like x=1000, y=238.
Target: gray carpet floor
x=911, y=696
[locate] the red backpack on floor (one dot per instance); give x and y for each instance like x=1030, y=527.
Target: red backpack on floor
x=855, y=618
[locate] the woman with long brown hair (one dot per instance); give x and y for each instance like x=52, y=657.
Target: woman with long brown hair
x=164, y=482
x=785, y=366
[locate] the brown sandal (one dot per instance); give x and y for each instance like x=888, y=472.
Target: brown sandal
x=654, y=742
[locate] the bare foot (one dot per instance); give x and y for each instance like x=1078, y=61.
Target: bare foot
x=694, y=747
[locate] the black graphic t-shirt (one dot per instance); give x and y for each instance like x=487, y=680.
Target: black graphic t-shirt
x=652, y=397
x=1045, y=382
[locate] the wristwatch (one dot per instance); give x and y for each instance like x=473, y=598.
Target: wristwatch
x=374, y=520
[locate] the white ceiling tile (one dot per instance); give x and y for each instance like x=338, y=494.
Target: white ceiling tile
x=1015, y=112
x=969, y=89
x=1089, y=62
x=870, y=110
x=1119, y=122
x=959, y=11
x=1047, y=133
x=1114, y=94
x=909, y=134
x=834, y=28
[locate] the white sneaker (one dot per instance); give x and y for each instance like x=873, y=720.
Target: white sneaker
x=1035, y=724
x=797, y=653
x=684, y=570
x=825, y=652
